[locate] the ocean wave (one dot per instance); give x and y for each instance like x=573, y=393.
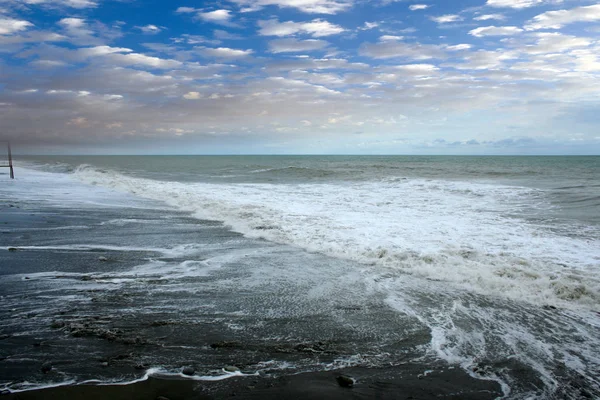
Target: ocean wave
x=456, y=232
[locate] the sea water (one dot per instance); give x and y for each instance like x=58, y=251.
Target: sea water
x=496, y=258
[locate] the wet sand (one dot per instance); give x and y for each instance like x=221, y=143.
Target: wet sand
x=401, y=382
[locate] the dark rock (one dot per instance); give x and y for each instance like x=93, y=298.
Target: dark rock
x=345, y=381
x=12, y=249
x=46, y=367
x=188, y=371
x=231, y=368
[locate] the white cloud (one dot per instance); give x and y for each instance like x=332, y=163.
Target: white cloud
x=560, y=18
x=417, y=69
x=101, y=51
x=369, y=25
x=224, y=52
x=397, y=49
x=457, y=47
x=115, y=56
x=518, y=3
x=217, y=16
x=495, y=31
x=554, y=42
x=307, y=6
x=415, y=7
x=316, y=28
x=192, y=96
x=149, y=29
x=186, y=10
x=65, y=3
x=486, y=17
x=48, y=63
x=387, y=38
x=444, y=19
x=290, y=45
x=76, y=27
x=8, y=26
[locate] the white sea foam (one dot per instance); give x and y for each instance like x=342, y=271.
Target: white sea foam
x=462, y=233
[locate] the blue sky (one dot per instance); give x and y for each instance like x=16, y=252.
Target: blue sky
x=301, y=76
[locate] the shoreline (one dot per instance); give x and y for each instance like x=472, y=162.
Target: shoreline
x=407, y=381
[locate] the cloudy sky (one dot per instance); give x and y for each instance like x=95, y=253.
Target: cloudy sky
x=300, y=76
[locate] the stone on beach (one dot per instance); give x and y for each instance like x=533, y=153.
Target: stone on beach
x=231, y=368
x=188, y=371
x=345, y=381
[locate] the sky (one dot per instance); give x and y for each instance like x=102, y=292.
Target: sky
x=300, y=76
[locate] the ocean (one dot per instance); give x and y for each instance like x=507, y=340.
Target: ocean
x=127, y=266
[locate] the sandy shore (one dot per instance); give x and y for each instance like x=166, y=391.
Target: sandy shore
x=403, y=382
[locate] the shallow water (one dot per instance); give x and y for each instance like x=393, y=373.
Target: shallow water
x=486, y=263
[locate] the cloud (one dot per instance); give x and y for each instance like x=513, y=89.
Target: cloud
x=397, y=49
x=518, y=4
x=306, y=6
x=458, y=47
x=554, y=42
x=64, y=3
x=149, y=29
x=487, y=17
x=224, y=52
x=417, y=69
x=495, y=31
x=292, y=45
x=560, y=18
x=415, y=7
x=221, y=17
x=185, y=10
x=144, y=60
x=125, y=56
x=444, y=19
x=192, y=96
x=8, y=26
x=316, y=28
x=386, y=38
x=101, y=51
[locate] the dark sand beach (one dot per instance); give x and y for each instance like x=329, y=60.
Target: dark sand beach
x=403, y=382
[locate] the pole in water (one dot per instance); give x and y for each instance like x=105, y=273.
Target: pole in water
x=10, y=165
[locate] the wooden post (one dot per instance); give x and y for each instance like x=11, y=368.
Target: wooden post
x=12, y=173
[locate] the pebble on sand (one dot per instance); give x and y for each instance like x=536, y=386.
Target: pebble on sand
x=231, y=368
x=188, y=371
x=345, y=381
